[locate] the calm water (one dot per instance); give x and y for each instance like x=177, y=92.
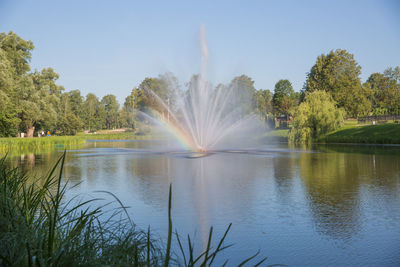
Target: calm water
x=326, y=206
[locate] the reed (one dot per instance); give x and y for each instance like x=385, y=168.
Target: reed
x=17, y=145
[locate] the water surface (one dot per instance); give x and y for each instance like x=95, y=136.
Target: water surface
x=323, y=206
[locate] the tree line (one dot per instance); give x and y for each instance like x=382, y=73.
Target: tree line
x=33, y=101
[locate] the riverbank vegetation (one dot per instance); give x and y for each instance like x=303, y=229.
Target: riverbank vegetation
x=24, y=145
x=38, y=228
x=350, y=133
x=32, y=101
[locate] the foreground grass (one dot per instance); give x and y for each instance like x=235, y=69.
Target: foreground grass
x=371, y=134
x=38, y=228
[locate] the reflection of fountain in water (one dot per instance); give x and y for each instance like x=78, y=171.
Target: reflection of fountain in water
x=206, y=116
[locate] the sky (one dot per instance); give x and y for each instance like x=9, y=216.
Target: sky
x=109, y=47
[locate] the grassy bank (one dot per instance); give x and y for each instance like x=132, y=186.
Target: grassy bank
x=38, y=227
x=350, y=133
x=32, y=144
x=371, y=134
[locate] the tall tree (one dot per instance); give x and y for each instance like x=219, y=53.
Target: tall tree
x=128, y=113
x=18, y=51
x=76, y=103
x=244, y=93
x=393, y=73
x=71, y=113
x=385, y=97
x=49, y=98
x=264, y=102
x=339, y=74
x=94, y=118
x=111, y=107
x=8, y=116
x=15, y=54
x=8, y=110
x=284, y=97
x=6, y=73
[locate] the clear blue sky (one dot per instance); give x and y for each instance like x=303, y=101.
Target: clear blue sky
x=111, y=46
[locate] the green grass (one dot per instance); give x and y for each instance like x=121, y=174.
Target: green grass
x=23, y=144
x=352, y=122
x=371, y=134
x=37, y=144
x=276, y=135
x=38, y=227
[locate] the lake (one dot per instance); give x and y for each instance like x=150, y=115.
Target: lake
x=332, y=205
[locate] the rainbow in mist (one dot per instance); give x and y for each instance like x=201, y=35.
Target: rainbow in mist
x=203, y=116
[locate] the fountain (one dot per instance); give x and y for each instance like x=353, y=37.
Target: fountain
x=206, y=117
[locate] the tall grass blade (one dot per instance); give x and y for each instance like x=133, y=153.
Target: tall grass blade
x=168, y=252
x=220, y=243
x=248, y=259
x=148, y=247
x=181, y=248
x=56, y=201
x=208, y=248
x=191, y=248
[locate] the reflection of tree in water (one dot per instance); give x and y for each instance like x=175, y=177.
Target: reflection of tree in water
x=335, y=183
x=332, y=182
x=284, y=174
x=150, y=179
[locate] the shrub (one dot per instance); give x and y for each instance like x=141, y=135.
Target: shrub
x=315, y=117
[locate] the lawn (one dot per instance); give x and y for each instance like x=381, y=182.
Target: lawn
x=371, y=134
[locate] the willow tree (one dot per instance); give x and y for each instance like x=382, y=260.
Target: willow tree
x=315, y=117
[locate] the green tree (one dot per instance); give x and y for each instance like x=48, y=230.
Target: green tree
x=69, y=121
x=315, y=117
x=6, y=73
x=94, y=118
x=69, y=124
x=284, y=98
x=153, y=92
x=36, y=95
x=129, y=110
x=8, y=117
x=111, y=107
x=393, y=74
x=75, y=103
x=244, y=93
x=265, y=107
x=15, y=54
x=339, y=74
x=264, y=102
x=18, y=51
x=48, y=100
x=8, y=112
x=385, y=94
